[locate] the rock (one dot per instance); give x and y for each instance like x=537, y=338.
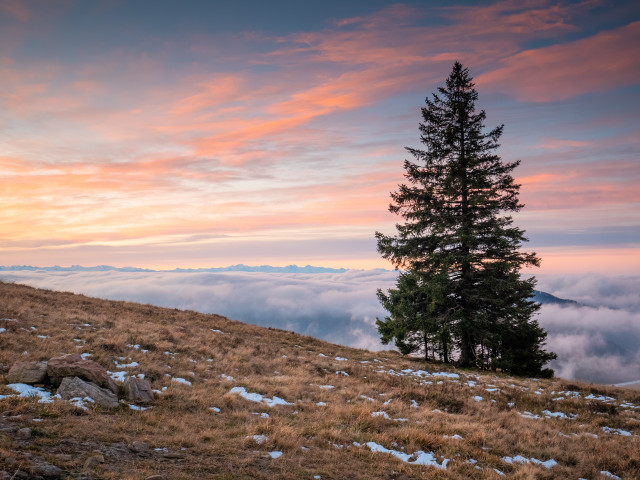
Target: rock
x=27, y=372
x=41, y=467
x=139, y=447
x=73, y=365
x=138, y=390
x=93, y=461
x=72, y=387
x=24, y=434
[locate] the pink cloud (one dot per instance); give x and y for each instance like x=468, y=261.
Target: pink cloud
x=16, y=9
x=603, y=61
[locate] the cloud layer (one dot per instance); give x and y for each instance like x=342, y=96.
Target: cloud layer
x=596, y=343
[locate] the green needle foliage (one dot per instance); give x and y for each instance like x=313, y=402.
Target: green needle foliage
x=460, y=295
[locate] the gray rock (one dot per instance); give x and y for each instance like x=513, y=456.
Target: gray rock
x=24, y=433
x=140, y=447
x=73, y=365
x=138, y=390
x=72, y=387
x=27, y=372
x=41, y=467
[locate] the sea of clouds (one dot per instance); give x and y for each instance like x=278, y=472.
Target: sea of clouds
x=597, y=340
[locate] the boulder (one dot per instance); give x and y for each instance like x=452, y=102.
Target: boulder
x=27, y=372
x=73, y=365
x=138, y=390
x=72, y=387
x=42, y=468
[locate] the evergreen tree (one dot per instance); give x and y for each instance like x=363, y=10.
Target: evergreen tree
x=458, y=246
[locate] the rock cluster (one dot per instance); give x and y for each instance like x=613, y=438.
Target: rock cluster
x=76, y=377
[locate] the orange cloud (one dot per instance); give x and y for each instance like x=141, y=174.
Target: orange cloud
x=603, y=61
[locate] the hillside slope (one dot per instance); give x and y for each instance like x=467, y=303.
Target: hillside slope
x=241, y=401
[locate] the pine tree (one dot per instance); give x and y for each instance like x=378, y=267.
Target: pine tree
x=458, y=247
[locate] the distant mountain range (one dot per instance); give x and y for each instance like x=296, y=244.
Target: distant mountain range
x=541, y=297
x=233, y=268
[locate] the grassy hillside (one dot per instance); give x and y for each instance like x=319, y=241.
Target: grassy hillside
x=336, y=412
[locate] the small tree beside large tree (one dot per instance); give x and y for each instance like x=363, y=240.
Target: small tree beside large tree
x=460, y=294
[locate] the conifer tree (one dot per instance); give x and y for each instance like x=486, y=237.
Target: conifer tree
x=458, y=248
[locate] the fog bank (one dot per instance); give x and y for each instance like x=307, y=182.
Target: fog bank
x=596, y=341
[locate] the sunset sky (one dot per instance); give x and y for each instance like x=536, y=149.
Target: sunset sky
x=167, y=134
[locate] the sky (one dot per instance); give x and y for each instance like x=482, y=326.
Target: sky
x=167, y=134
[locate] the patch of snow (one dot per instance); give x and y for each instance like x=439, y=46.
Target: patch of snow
x=446, y=375
x=617, y=431
x=118, y=376
x=25, y=390
x=416, y=458
x=548, y=414
x=381, y=414
x=548, y=464
x=414, y=404
x=216, y=330
x=600, y=398
x=136, y=407
x=322, y=355
x=610, y=475
x=3, y=330
x=477, y=398
x=85, y=355
x=516, y=459
x=498, y=472
x=326, y=387
x=341, y=359
x=321, y=404
x=215, y=409
x=260, y=439
x=454, y=437
x=181, y=380
x=528, y=415
x=126, y=365
x=342, y=372
x=228, y=377
x=256, y=397
x=80, y=402
x=275, y=454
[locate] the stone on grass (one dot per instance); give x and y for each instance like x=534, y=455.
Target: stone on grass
x=42, y=468
x=73, y=365
x=72, y=387
x=138, y=390
x=24, y=433
x=27, y=372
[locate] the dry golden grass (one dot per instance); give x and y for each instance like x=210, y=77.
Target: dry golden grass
x=194, y=441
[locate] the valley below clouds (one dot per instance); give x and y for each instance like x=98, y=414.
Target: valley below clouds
x=596, y=340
